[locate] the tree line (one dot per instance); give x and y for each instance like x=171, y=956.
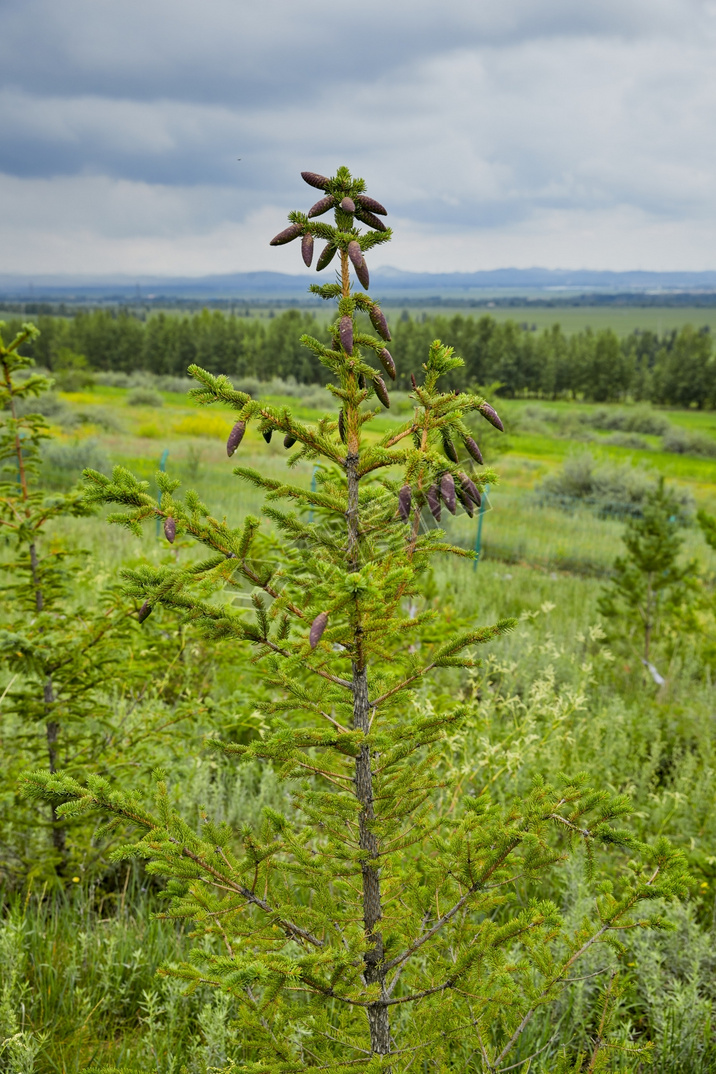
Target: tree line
x=676, y=367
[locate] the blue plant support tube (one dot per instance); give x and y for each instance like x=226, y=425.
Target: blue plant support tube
x=478, y=538
x=162, y=467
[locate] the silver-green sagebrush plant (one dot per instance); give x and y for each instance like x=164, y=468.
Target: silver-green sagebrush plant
x=387, y=922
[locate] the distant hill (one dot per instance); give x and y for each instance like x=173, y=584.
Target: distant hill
x=386, y=281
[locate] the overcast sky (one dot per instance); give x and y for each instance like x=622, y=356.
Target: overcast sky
x=562, y=133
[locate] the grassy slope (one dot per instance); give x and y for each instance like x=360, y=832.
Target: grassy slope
x=516, y=528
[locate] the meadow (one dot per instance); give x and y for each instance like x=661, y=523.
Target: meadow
x=78, y=960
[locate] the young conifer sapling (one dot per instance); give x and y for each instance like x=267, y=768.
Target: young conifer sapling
x=371, y=926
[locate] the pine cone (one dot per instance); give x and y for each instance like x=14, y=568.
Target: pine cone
x=356, y=255
x=329, y=252
x=405, y=499
x=317, y=627
x=377, y=319
x=465, y=501
x=322, y=206
x=348, y=205
x=144, y=611
x=447, y=491
x=470, y=488
x=267, y=434
x=386, y=360
x=371, y=204
x=491, y=415
x=434, y=502
x=235, y=437
x=472, y=449
x=314, y=179
x=372, y=221
x=307, y=249
x=449, y=447
x=346, y=333
x=170, y=529
x=413, y=381
x=288, y=440
x=381, y=391
x=288, y=235
x=342, y=426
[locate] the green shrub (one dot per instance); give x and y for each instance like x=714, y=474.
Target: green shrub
x=608, y=488
x=144, y=397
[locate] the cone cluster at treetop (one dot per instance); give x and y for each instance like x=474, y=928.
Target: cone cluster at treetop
x=371, y=927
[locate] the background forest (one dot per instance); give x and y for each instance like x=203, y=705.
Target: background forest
x=673, y=367
x=598, y=538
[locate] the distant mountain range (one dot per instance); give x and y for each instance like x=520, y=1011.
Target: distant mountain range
x=386, y=281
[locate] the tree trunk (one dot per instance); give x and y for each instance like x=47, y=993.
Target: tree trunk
x=373, y=972
x=52, y=728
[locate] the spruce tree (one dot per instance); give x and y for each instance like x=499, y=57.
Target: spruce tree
x=650, y=596
x=40, y=646
x=385, y=921
x=65, y=644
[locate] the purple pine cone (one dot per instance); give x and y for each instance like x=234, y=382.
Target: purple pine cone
x=449, y=448
x=386, y=360
x=317, y=627
x=377, y=319
x=472, y=449
x=314, y=179
x=307, y=249
x=491, y=415
x=447, y=491
x=371, y=204
x=267, y=434
x=288, y=440
x=322, y=206
x=329, y=252
x=434, y=502
x=342, y=426
x=288, y=235
x=356, y=255
x=372, y=221
x=470, y=488
x=348, y=205
x=405, y=499
x=346, y=334
x=144, y=611
x=465, y=500
x=235, y=437
x=170, y=529
x=381, y=391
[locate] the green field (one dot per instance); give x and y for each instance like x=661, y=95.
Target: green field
x=517, y=527
x=622, y=319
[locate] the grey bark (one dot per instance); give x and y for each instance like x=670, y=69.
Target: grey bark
x=373, y=972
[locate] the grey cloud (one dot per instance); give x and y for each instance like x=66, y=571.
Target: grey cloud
x=469, y=117
x=234, y=54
